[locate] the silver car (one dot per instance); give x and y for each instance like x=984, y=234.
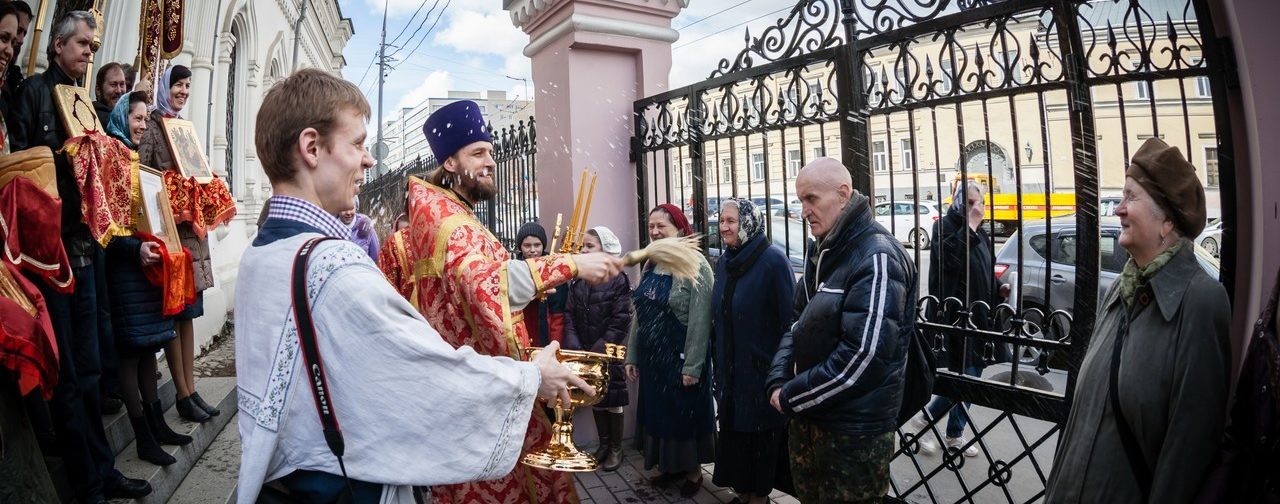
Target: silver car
x=1053, y=256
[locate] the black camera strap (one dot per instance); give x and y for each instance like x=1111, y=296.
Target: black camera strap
x=311, y=356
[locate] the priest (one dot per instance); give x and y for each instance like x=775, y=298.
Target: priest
x=413, y=409
x=471, y=290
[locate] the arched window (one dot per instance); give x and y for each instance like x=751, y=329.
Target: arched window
x=232, y=85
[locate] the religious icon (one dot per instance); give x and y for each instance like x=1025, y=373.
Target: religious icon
x=184, y=147
x=157, y=213
x=75, y=108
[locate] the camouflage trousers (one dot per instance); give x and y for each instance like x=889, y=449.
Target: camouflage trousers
x=834, y=467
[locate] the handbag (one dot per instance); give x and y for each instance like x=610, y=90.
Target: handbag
x=272, y=492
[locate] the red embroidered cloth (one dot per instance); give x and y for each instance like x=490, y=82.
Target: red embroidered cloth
x=27, y=344
x=106, y=174
x=204, y=206
x=31, y=229
x=174, y=275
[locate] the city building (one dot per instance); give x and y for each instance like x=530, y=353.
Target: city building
x=403, y=131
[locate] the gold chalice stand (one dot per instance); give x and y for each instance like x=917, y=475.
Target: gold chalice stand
x=560, y=454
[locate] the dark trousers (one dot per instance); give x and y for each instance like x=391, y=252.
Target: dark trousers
x=110, y=379
x=75, y=407
x=959, y=416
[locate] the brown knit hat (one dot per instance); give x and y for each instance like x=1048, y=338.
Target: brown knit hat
x=1172, y=183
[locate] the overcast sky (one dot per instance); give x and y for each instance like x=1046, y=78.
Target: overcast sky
x=474, y=46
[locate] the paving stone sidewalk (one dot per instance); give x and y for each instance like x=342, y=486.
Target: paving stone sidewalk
x=630, y=485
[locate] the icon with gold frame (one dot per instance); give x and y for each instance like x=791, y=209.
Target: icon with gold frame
x=184, y=147
x=75, y=109
x=157, y=213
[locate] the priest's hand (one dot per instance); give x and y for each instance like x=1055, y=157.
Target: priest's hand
x=149, y=253
x=556, y=378
x=597, y=267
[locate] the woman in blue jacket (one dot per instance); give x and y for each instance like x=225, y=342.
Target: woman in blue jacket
x=751, y=307
x=137, y=307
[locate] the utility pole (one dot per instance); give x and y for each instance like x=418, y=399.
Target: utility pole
x=379, y=149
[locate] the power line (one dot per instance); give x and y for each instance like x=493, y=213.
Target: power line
x=366, y=72
x=406, y=25
x=727, y=28
x=427, y=35
x=422, y=23
x=739, y=4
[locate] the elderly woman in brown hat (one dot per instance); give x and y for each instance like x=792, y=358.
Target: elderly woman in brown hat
x=1150, y=401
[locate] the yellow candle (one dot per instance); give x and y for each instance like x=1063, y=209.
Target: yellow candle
x=586, y=212
x=577, y=210
x=556, y=235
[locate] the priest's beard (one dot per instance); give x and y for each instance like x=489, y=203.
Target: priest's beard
x=473, y=189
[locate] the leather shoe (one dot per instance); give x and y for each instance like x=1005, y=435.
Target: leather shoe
x=664, y=479
x=690, y=488
x=128, y=488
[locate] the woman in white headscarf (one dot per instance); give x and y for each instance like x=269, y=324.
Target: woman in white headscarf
x=597, y=315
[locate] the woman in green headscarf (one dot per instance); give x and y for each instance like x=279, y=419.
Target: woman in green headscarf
x=1149, y=405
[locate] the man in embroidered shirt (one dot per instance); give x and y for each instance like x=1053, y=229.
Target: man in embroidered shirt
x=470, y=288
x=412, y=411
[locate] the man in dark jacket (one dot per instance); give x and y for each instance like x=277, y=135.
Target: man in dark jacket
x=75, y=405
x=839, y=372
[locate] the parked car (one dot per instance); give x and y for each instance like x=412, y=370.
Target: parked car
x=767, y=205
x=1052, y=256
x=1211, y=238
x=792, y=236
x=900, y=219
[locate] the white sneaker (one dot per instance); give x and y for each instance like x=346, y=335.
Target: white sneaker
x=919, y=423
x=927, y=445
x=958, y=442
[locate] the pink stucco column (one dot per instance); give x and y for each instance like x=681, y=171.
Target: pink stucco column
x=591, y=60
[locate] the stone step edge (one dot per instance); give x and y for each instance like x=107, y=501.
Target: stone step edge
x=165, y=480
x=213, y=481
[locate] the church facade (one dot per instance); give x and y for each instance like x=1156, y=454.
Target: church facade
x=236, y=49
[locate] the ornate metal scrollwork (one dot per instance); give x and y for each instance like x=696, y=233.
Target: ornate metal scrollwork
x=1123, y=37
x=811, y=26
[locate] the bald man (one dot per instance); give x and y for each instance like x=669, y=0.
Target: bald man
x=839, y=372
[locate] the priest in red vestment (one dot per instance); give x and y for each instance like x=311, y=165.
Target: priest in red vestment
x=393, y=259
x=471, y=290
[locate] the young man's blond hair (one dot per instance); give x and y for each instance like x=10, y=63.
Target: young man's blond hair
x=309, y=98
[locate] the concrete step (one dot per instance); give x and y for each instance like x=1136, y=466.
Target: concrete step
x=221, y=392
x=213, y=479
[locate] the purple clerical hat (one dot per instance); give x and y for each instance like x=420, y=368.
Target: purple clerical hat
x=455, y=126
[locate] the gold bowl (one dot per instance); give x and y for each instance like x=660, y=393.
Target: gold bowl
x=560, y=454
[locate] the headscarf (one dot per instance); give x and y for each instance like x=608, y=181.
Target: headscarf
x=608, y=240
x=163, y=97
x=118, y=122
x=749, y=224
x=677, y=218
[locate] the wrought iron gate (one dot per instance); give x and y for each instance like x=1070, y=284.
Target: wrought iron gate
x=1040, y=101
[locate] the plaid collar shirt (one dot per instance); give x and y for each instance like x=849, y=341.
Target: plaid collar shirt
x=300, y=210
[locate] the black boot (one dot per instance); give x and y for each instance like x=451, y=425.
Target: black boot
x=187, y=409
x=160, y=429
x=602, y=430
x=613, y=459
x=212, y=411
x=148, y=449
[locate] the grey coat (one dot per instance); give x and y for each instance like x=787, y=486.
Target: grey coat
x=1173, y=382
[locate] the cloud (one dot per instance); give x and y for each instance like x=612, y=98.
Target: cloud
x=435, y=85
